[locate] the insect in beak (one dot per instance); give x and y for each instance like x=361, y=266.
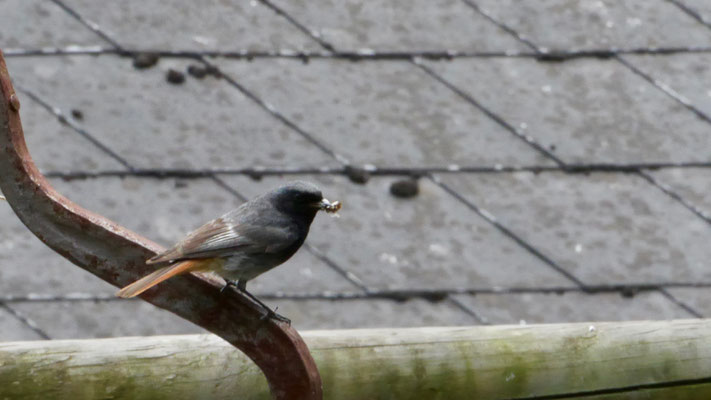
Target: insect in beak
x=329, y=207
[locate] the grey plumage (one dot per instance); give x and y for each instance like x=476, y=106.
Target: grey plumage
x=246, y=242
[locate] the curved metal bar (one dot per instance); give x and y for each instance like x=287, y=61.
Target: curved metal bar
x=117, y=256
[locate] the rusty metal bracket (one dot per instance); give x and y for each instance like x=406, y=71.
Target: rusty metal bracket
x=117, y=255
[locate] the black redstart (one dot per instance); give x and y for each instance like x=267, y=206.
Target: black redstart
x=244, y=243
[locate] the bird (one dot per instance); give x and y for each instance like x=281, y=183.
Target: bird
x=244, y=243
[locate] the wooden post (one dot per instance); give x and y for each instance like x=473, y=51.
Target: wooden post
x=649, y=360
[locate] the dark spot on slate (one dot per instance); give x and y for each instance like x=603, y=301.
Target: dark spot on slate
x=404, y=188
x=180, y=184
x=398, y=297
x=628, y=292
x=552, y=147
x=175, y=77
x=197, y=71
x=435, y=297
x=145, y=60
x=211, y=70
x=77, y=114
x=254, y=175
x=356, y=174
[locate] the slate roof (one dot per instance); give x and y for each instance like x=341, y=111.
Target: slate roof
x=562, y=151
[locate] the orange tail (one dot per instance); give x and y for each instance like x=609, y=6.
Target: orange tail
x=160, y=275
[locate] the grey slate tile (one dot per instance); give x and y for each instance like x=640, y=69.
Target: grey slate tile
x=76, y=320
x=27, y=266
x=83, y=320
x=194, y=26
x=592, y=111
x=55, y=146
x=572, y=307
x=12, y=329
x=692, y=184
x=699, y=299
x=604, y=228
x=355, y=314
x=404, y=25
x=200, y=124
x=701, y=7
x=688, y=75
x=35, y=24
x=430, y=241
x=573, y=24
x=384, y=113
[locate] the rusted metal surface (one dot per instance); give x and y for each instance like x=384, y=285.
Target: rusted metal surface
x=118, y=256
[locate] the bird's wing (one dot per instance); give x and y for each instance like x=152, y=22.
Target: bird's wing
x=220, y=237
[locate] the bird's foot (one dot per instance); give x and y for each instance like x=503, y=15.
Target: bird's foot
x=274, y=315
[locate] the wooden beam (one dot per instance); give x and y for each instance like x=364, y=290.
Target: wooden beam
x=649, y=359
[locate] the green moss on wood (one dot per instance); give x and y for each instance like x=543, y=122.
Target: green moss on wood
x=506, y=362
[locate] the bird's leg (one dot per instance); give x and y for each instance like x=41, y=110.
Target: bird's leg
x=242, y=287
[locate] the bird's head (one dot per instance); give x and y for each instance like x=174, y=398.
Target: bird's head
x=302, y=198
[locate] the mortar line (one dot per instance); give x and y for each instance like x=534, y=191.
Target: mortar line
x=89, y=24
x=686, y=307
x=258, y=172
x=312, y=34
x=675, y=196
x=627, y=290
x=519, y=37
x=305, y=55
x=691, y=12
x=482, y=320
x=26, y=321
x=664, y=88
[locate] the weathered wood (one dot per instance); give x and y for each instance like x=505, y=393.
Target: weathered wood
x=645, y=360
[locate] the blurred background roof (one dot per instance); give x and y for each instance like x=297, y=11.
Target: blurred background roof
x=561, y=151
